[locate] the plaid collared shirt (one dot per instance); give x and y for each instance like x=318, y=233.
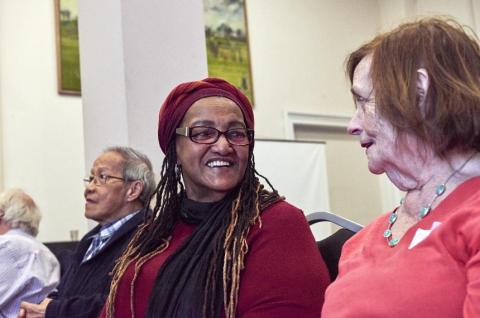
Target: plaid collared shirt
x=100, y=239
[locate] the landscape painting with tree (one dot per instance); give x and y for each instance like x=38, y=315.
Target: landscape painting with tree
x=227, y=43
x=68, y=53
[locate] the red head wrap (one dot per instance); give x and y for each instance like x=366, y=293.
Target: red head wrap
x=184, y=95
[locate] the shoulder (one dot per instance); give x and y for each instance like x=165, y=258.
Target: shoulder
x=15, y=242
x=459, y=218
x=276, y=247
x=279, y=222
x=139, y=218
x=461, y=227
x=369, y=235
x=24, y=248
x=7, y=246
x=282, y=212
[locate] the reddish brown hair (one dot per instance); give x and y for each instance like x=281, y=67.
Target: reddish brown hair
x=450, y=118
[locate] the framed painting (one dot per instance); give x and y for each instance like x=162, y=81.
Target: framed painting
x=226, y=34
x=68, y=53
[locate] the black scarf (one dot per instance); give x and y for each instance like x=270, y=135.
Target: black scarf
x=178, y=291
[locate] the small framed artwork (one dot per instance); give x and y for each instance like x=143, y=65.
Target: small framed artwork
x=68, y=53
x=226, y=34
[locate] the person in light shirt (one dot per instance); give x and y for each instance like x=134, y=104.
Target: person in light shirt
x=28, y=270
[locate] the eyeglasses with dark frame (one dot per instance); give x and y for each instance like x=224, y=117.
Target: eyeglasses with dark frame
x=209, y=135
x=101, y=179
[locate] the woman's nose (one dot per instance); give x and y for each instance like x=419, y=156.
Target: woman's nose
x=222, y=145
x=354, y=126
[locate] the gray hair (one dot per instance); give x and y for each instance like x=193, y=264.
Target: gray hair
x=137, y=166
x=19, y=211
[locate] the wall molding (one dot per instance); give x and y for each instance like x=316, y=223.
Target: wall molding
x=293, y=118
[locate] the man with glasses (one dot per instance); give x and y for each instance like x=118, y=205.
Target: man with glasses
x=117, y=194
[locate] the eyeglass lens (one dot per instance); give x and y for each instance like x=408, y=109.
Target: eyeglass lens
x=210, y=135
x=101, y=179
x=96, y=180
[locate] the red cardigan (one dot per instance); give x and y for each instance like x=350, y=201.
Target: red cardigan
x=284, y=274
x=429, y=274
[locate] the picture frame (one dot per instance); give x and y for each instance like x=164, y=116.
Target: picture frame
x=228, y=52
x=68, y=53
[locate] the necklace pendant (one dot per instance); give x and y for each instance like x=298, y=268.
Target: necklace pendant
x=440, y=189
x=392, y=242
x=392, y=218
x=424, y=211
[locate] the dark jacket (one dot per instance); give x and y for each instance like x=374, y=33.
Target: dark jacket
x=84, y=287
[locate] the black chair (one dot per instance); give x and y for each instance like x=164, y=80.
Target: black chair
x=331, y=247
x=63, y=251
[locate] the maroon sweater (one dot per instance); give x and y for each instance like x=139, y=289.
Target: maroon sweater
x=284, y=274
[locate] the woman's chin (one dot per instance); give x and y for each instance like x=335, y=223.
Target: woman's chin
x=375, y=169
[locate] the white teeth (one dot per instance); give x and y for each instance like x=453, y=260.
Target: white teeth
x=218, y=163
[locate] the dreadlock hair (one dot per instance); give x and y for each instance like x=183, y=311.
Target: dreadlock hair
x=221, y=281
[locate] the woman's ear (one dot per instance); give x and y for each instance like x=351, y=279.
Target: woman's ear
x=423, y=83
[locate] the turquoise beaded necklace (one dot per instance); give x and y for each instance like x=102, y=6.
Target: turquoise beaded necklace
x=423, y=212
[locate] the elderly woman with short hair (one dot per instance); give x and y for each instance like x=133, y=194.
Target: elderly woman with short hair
x=417, y=97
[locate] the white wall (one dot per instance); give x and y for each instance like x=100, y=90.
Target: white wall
x=298, y=50
x=393, y=13
x=42, y=134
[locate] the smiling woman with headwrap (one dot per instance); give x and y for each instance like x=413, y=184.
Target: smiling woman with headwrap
x=218, y=244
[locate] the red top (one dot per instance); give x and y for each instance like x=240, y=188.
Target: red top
x=284, y=274
x=430, y=273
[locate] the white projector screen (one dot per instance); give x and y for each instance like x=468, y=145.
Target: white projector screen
x=297, y=169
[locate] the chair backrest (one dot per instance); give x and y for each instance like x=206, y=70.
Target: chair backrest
x=64, y=252
x=333, y=218
x=331, y=247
